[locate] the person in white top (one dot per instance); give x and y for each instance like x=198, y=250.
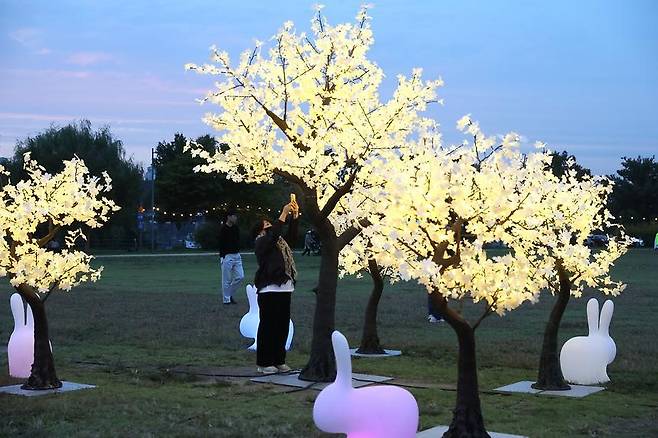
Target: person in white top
x=275, y=282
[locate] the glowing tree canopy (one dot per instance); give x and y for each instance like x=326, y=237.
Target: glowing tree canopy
x=441, y=209
x=32, y=212
x=307, y=108
x=448, y=204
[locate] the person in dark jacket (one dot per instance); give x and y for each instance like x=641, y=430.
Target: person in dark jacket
x=275, y=282
x=229, y=257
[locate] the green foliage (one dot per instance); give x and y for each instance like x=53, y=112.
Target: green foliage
x=559, y=165
x=207, y=235
x=101, y=151
x=178, y=189
x=636, y=190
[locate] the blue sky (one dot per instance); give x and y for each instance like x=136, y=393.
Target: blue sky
x=578, y=75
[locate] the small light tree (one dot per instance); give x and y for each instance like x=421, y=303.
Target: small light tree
x=574, y=206
x=436, y=221
x=308, y=109
x=357, y=258
x=32, y=212
x=370, y=343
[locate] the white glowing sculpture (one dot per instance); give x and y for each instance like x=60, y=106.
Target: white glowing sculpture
x=371, y=412
x=249, y=322
x=584, y=359
x=20, y=350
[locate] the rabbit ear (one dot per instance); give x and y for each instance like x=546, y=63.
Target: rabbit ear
x=606, y=316
x=29, y=322
x=343, y=359
x=252, y=297
x=18, y=310
x=593, y=316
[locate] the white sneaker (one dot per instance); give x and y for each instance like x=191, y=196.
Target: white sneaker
x=268, y=370
x=283, y=368
x=433, y=320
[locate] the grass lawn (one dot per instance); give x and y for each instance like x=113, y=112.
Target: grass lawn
x=148, y=315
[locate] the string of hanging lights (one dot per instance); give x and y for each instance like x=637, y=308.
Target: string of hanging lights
x=220, y=207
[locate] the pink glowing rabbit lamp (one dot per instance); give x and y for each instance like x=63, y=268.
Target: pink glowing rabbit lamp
x=249, y=322
x=371, y=412
x=584, y=359
x=20, y=350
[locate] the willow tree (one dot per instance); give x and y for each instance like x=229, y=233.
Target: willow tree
x=574, y=206
x=32, y=213
x=308, y=109
x=438, y=220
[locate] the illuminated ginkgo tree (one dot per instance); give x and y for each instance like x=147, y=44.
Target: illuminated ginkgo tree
x=32, y=213
x=307, y=108
x=573, y=208
x=439, y=218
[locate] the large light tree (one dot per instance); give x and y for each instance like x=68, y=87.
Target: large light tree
x=32, y=212
x=308, y=109
x=437, y=221
x=574, y=206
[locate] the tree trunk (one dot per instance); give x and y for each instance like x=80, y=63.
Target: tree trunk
x=43, y=375
x=550, y=373
x=467, y=419
x=370, y=338
x=321, y=366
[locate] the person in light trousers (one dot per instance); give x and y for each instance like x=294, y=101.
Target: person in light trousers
x=229, y=256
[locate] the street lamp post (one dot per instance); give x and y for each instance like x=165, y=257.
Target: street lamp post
x=152, y=200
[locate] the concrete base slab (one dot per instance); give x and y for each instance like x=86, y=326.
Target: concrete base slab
x=370, y=378
x=577, y=391
x=438, y=431
x=523, y=386
x=66, y=387
x=292, y=379
x=388, y=353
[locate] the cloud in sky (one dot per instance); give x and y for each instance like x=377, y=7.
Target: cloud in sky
x=30, y=37
x=581, y=76
x=85, y=59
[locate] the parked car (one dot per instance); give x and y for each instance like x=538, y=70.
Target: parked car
x=594, y=240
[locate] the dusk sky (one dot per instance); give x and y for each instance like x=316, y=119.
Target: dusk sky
x=581, y=76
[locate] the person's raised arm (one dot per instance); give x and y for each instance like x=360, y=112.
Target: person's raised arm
x=293, y=225
x=270, y=239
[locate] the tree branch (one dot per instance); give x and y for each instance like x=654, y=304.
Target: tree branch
x=338, y=193
x=350, y=233
x=486, y=313
x=292, y=178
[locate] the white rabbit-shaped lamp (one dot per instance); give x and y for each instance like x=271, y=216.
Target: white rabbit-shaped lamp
x=249, y=322
x=584, y=359
x=371, y=412
x=20, y=351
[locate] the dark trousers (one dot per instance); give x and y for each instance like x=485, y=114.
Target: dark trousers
x=273, y=328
